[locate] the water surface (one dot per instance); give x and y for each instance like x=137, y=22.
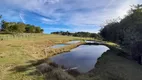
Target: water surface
x=63, y=45
x=90, y=41
x=73, y=42
x=59, y=46
x=83, y=57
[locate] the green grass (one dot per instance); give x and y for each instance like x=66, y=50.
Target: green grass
x=111, y=44
x=19, y=49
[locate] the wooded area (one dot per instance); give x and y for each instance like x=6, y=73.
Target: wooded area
x=127, y=32
x=18, y=27
x=79, y=34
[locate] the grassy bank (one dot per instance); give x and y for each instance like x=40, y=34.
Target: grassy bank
x=22, y=49
x=112, y=66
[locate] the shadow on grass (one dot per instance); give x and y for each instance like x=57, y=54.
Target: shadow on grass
x=30, y=66
x=50, y=70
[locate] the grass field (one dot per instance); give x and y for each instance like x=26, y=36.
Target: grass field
x=21, y=53
x=22, y=49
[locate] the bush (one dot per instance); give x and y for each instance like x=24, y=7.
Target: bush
x=58, y=74
x=44, y=68
x=136, y=50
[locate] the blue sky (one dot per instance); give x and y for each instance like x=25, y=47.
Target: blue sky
x=65, y=15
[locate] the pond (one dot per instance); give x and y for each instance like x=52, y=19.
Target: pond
x=59, y=46
x=83, y=57
x=90, y=41
x=73, y=42
x=63, y=45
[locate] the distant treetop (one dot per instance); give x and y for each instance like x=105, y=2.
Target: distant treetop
x=19, y=27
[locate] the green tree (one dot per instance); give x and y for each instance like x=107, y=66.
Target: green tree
x=41, y=31
x=18, y=28
x=37, y=30
x=127, y=32
x=5, y=26
x=0, y=16
x=30, y=29
x=0, y=23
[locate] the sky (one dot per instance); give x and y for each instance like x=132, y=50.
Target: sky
x=65, y=15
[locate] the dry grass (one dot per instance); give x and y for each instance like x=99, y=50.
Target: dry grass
x=19, y=49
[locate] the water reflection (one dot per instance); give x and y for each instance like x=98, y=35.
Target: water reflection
x=90, y=41
x=73, y=42
x=66, y=44
x=83, y=57
x=59, y=45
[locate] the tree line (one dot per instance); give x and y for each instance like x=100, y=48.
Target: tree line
x=78, y=34
x=19, y=27
x=127, y=32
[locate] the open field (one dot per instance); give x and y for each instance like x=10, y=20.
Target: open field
x=22, y=49
x=20, y=54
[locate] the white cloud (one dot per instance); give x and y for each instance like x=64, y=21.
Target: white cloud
x=9, y=15
x=48, y=21
x=80, y=13
x=21, y=15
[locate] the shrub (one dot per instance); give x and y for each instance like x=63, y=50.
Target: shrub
x=136, y=50
x=58, y=74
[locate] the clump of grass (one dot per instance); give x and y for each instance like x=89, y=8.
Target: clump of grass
x=74, y=72
x=111, y=44
x=44, y=68
x=58, y=74
x=52, y=72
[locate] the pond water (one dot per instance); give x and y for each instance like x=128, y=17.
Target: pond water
x=59, y=46
x=90, y=41
x=73, y=42
x=63, y=45
x=83, y=57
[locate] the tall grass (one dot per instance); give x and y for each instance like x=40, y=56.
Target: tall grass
x=20, y=49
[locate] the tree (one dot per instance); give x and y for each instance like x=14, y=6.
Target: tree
x=37, y=30
x=78, y=34
x=41, y=31
x=0, y=16
x=18, y=28
x=5, y=26
x=30, y=29
x=0, y=22
x=13, y=27
x=127, y=32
